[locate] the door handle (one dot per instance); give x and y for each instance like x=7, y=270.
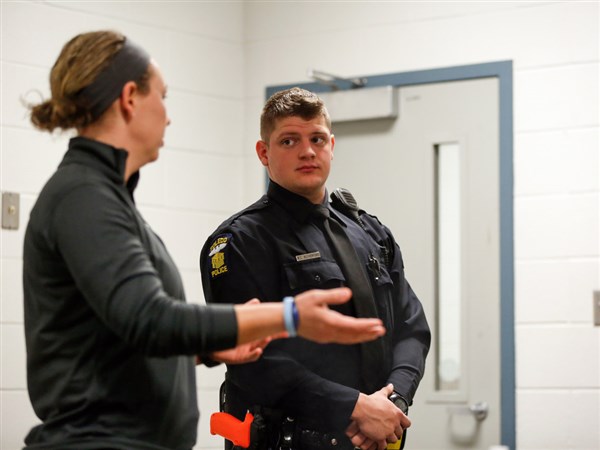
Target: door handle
x=478, y=410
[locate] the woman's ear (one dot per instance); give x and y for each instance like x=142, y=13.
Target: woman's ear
x=127, y=100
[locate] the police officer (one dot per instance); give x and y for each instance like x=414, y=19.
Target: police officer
x=306, y=395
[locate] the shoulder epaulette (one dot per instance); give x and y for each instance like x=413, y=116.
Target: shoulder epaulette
x=261, y=203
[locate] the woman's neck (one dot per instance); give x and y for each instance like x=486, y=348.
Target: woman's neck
x=115, y=137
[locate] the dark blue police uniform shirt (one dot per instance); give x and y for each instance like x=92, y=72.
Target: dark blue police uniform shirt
x=274, y=248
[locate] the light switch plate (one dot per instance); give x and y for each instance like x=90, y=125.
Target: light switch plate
x=597, y=308
x=10, y=210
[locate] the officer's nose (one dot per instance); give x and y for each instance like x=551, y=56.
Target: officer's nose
x=306, y=150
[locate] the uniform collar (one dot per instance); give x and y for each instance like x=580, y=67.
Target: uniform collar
x=298, y=206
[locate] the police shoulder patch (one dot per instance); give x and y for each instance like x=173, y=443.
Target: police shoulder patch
x=216, y=254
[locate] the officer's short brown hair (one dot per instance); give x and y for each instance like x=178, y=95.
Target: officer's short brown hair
x=290, y=103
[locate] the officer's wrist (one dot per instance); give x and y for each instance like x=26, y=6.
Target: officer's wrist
x=400, y=402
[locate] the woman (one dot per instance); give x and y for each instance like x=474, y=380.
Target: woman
x=110, y=340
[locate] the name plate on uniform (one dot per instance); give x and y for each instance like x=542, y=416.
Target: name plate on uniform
x=308, y=256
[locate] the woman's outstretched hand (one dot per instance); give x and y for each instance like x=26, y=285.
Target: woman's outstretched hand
x=316, y=321
x=320, y=324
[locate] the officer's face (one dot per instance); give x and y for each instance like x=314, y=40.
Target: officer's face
x=298, y=155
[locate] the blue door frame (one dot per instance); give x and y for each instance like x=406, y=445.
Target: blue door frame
x=502, y=70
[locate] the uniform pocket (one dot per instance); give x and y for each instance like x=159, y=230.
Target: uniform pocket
x=313, y=274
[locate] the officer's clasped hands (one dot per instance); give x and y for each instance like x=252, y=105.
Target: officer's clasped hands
x=376, y=421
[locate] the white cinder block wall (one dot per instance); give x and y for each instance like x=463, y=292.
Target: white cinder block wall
x=197, y=182
x=218, y=58
x=554, y=47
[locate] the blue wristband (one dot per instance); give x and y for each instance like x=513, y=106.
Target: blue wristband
x=289, y=305
x=296, y=316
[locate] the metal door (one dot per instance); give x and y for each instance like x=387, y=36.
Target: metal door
x=432, y=176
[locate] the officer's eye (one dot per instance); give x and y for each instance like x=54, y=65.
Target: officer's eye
x=319, y=140
x=287, y=142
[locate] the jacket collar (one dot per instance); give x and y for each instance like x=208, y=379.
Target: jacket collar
x=103, y=157
x=296, y=205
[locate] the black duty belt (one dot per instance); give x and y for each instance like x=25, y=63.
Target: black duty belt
x=289, y=434
x=314, y=440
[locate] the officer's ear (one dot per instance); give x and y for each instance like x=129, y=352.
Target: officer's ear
x=261, y=152
x=332, y=145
